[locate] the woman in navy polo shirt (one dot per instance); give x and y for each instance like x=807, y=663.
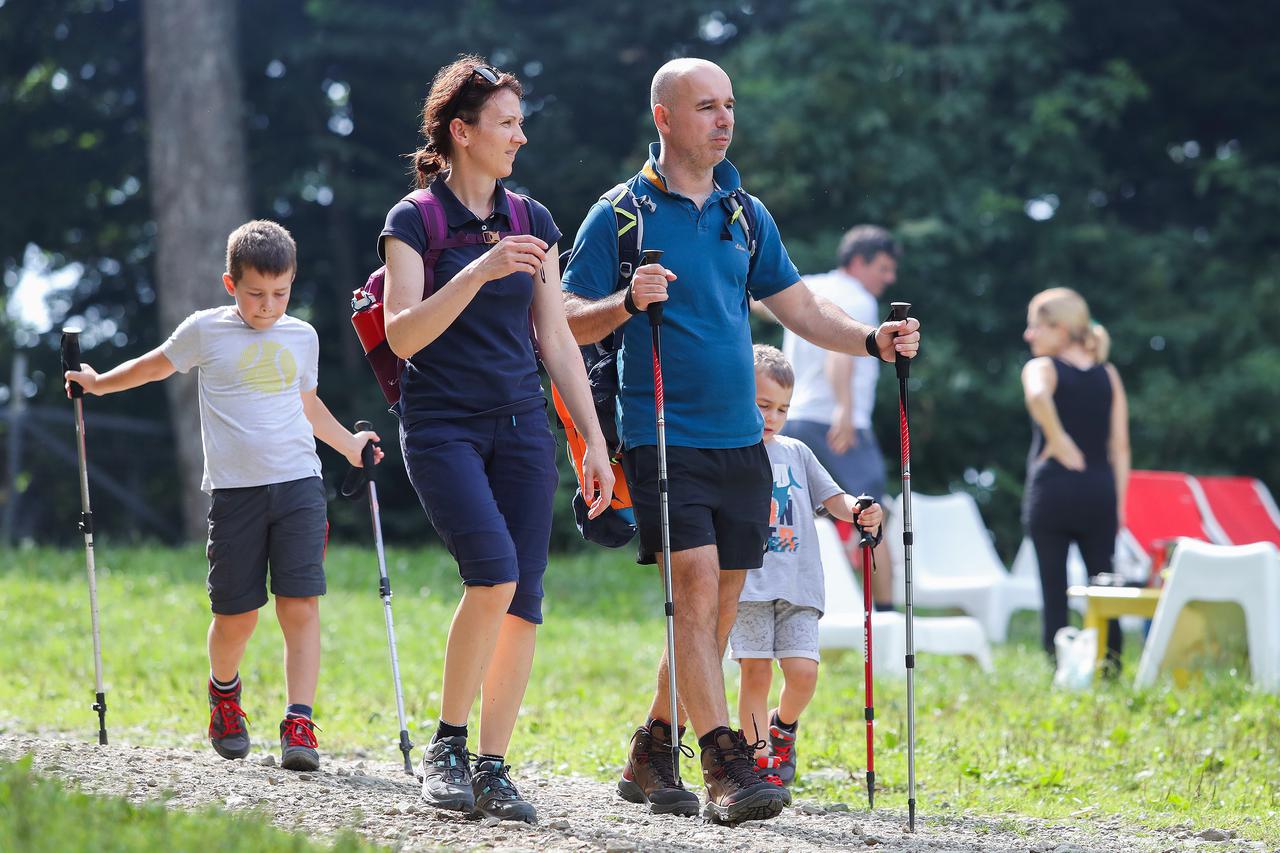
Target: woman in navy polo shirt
x=473, y=423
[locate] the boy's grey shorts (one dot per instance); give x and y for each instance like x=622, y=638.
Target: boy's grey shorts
x=283, y=526
x=774, y=629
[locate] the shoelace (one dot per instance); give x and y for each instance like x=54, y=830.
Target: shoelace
x=660, y=759
x=230, y=712
x=497, y=783
x=454, y=761
x=738, y=760
x=298, y=732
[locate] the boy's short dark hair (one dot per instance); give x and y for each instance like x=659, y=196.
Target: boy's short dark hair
x=772, y=363
x=261, y=245
x=866, y=241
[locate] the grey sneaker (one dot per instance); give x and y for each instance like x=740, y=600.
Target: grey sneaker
x=298, y=744
x=228, y=725
x=496, y=796
x=446, y=775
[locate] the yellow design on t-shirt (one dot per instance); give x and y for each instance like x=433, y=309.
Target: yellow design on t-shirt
x=268, y=368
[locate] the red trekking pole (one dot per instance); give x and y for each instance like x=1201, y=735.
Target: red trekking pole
x=652, y=256
x=866, y=543
x=902, y=366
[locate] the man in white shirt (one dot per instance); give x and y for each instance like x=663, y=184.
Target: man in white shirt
x=835, y=393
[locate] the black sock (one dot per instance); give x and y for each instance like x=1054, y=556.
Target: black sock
x=790, y=728
x=445, y=730
x=881, y=607
x=297, y=710
x=224, y=687
x=709, y=739
x=497, y=761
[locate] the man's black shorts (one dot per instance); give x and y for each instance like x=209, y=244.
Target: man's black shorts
x=715, y=497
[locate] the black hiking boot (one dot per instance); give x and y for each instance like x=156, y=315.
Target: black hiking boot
x=446, y=775
x=496, y=796
x=649, y=775
x=228, y=724
x=298, y=744
x=735, y=793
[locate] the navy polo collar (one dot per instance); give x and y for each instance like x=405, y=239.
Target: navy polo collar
x=457, y=213
x=724, y=176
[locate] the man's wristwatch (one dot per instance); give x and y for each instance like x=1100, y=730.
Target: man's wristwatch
x=630, y=304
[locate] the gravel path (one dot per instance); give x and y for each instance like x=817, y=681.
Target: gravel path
x=379, y=801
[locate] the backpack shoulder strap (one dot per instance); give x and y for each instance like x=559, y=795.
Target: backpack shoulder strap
x=630, y=225
x=741, y=210
x=521, y=213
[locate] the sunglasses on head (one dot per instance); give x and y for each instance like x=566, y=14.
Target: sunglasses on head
x=487, y=73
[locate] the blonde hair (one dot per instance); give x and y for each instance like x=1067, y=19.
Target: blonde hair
x=1063, y=307
x=772, y=363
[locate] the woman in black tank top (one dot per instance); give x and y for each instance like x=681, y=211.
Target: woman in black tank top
x=1078, y=466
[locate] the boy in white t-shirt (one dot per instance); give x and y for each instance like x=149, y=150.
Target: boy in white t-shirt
x=781, y=603
x=259, y=416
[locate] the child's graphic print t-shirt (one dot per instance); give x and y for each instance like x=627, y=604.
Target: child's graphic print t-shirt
x=792, y=568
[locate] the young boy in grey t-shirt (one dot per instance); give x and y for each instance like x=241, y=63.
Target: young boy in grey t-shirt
x=258, y=414
x=781, y=603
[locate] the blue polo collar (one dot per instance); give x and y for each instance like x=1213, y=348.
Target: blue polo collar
x=725, y=175
x=457, y=213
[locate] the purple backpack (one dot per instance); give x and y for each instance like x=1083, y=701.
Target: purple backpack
x=366, y=301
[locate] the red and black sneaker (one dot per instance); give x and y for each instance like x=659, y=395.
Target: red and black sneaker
x=298, y=744
x=767, y=769
x=782, y=745
x=228, y=724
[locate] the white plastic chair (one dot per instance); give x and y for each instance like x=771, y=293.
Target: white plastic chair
x=954, y=563
x=843, y=622
x=1247, y=575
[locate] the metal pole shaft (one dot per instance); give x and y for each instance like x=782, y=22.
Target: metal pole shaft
x=666, y=550
x=384, y=589
x=86, y=527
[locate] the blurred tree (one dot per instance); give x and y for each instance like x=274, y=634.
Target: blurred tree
x=199, y=188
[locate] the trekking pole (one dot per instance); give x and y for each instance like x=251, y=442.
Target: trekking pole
x=71, y=361
x=652, y=256
x=866, y=542
x=902, y=365
x=351, y=488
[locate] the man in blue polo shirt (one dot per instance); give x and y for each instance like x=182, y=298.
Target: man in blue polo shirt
x=720, y=479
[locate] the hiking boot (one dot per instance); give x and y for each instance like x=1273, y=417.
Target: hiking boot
x=298, y=744
x=228, y=724
x=782, y=745
x=735, y=793
x=496, y=796
x=649, y=775
x=446, y=775
x=767, y=769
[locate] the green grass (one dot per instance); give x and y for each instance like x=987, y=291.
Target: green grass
x=38, y=816
x=990, y=745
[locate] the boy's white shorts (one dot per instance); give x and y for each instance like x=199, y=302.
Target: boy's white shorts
x=774, y=629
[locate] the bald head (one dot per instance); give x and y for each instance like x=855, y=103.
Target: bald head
x=666, y=82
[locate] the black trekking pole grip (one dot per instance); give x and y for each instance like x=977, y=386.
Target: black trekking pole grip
x=71, y=357
x=652, y=256
x=366, y=452
x=864, y=501
x=898, y=312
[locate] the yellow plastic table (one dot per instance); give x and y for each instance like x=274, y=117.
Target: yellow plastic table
x=1104, y=603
